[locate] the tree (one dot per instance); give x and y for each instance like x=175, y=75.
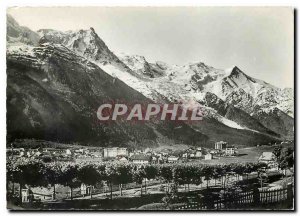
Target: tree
x=217, y=173
x=195, y=174
x=249, y=168
x=277, y=152
x=11, y=174
x=53, y=175
x=124, y=175
x=166, y=174
x=239, y=169
x=70, y=177
x=286, y=159
x=227, y=172
x=89, y=175
x=29, y=173
x=262, y=177
x=138, y=175
x=207, y=173
x=111, y=176
x=102, y=171
x=150, y=173
x=178, y=175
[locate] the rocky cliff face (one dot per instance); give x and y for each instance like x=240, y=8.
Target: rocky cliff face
x=57, y=80
x=54, y=94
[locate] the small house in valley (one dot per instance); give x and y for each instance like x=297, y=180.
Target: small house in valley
x=140, y=159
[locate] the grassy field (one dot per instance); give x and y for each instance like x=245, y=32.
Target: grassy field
x=245, y=155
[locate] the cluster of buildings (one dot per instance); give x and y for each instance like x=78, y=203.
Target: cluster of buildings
x=224, y=149
x=50, y=153
x=169, y=156
x=124, y=155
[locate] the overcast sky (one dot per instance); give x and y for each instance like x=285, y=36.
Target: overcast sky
x=257, y=40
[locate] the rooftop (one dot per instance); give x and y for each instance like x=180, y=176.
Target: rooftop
x=140, y=157
x=267, y=156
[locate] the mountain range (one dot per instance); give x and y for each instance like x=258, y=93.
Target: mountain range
x=56, y=81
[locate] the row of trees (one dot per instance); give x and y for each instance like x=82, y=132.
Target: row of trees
x=36, y=173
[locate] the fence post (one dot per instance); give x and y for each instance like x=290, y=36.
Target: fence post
x=256, y=196
x=290, y=195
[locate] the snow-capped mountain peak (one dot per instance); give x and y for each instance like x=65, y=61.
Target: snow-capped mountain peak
x=222, y=93
x=84, y=42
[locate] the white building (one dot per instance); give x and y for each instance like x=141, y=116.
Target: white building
x=173, y=159
x=269, y=158
x=185, y=155
x=114, y=152
x=123, y=159
x=220, y=145
x=68, y=152
x=198, y=154
x=214, y=151
x=230, y=150
x=140, y=159
x=208, y=156
x=147, y=150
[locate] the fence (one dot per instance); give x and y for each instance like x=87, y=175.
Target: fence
x=255, y=199
x=252, y=199
x=77, y=192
